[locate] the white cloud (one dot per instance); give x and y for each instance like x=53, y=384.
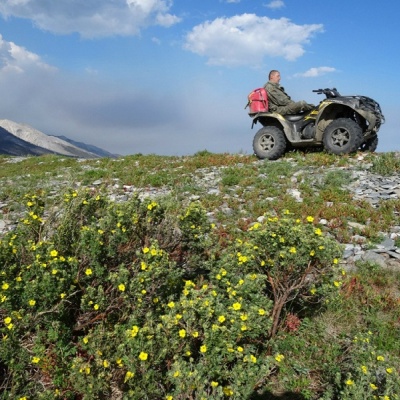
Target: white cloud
x=246, y=39
x=316, y=71
x=17, y=59
x=92, y=18
x=275, y=4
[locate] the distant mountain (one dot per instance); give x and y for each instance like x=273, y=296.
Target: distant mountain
x=22, y=140
x=88, y=147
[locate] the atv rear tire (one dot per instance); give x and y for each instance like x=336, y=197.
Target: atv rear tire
x=342, y=136
x=370, y=145
x=269, y=142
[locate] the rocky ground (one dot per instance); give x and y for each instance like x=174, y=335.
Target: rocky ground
x=363, y=185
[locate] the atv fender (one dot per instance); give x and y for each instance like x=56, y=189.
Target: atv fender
x=274, y=119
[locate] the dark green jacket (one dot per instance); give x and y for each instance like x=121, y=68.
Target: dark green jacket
x=277, y=97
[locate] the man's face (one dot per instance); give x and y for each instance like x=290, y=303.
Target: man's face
x=276, y=77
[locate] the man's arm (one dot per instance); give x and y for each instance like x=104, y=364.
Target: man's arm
x=277, y=96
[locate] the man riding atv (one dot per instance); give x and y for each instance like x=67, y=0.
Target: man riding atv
x=278, y=99
x=338, y=124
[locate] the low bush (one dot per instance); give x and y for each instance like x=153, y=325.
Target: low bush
x=102, y=299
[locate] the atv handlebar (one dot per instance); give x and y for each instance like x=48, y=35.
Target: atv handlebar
x=329, y=93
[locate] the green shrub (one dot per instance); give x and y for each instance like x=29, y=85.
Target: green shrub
x=100, y=298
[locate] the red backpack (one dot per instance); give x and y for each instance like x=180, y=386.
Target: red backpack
x=258, y=101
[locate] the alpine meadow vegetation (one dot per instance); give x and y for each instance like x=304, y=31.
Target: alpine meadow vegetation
x=191, y=293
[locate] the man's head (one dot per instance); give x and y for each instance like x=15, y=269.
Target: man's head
x=274, y=76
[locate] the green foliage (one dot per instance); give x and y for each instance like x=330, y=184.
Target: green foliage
x=230, y=177
x=373, y=374
x=126, y=297
x=146, y=298
x=386, y=164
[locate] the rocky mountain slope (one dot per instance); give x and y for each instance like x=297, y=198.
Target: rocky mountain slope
x=21, y=140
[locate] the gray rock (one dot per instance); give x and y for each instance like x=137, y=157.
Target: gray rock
x=375, y=258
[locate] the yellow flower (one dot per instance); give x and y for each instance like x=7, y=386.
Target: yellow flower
x=85, y=340
x=128, y=376
x=146, y=250
x=7, y=320
x=32, y=302
x=293, y=250
x=106, y=364
x=195, y=334
x=318, y=232
x=143, y=356
x=203, y=348
x=372, y=386
x=349, y=382
x=243, y=317
x=176, y=374
x=389, y=370
x=253, y=359
x=54, y=253
x=35, y=360
x=182, y=333
x=214, y=384
x=169, y=398
x=88, y=272
x=279, y=357
x=310, y=219
x=143, y=266
x=221, y=319
x=312, y=253
x=364, y=369
x=240, y=349
x=134, y=331
x=380, y=358
x=171, y=304
x=5, y=286
x=228, y=391
x=96, y=307
x=236, y=306
x=121, y=287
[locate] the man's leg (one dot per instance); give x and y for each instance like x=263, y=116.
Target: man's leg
x=299, y=106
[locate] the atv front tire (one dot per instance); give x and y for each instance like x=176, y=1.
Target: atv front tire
x=269, y=142
x=342, y=136
x=370, y=144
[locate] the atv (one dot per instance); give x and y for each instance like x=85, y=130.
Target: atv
x=339, y=124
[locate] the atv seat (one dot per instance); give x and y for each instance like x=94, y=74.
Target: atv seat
x=293, y=117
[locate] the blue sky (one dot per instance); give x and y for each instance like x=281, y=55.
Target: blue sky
x=171, y=77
